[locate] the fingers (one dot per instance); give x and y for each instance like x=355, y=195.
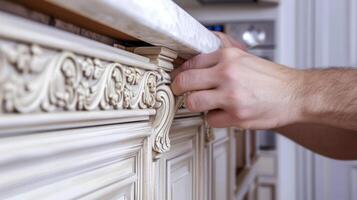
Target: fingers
x=204, y=100
x=192, y=80
x=198, y=62
x=219, y=119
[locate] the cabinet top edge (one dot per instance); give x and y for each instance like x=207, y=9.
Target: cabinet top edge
x=24, y=30
x=158, y=22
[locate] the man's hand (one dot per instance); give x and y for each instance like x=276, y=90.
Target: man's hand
x=239, y=89
x=315, y=108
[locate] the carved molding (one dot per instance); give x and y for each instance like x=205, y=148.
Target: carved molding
x=36, y=79
x=209, y=133
x=164, y=117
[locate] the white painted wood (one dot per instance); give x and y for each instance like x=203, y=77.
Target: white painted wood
x=159, y=22
x=15, y=124
x=207, y=178
x=44, y=79
x=221, y=166
x=265, y=193
x=266, y=175
x=233, y=163
x=20, y=29
x=180, y=178
x=248, y=149
x=117, y=191
x=245, y=181
x=71, y=164
x=104, y=153
x=220, y=178
x=200, y=167
x=176, y=171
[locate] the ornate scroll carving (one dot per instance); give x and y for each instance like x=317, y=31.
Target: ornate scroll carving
x=34, y=79
x=209, y=134
x=164, y=116
x=166, y=109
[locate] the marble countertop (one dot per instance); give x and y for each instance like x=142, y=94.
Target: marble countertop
x=158, y=22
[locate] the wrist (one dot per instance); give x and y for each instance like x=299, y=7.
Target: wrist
x=297, y=107
x=311, y=93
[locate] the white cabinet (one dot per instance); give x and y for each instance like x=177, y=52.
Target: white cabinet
x=177, y=170
x=220, y=165
x=88, y=163
x=80, y=119
x=180, y=178
x=221, y=169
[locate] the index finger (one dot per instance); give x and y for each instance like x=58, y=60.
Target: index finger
x=200, y=61
x=228, y=41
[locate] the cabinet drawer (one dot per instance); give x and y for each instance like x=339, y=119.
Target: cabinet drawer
x=90, y=163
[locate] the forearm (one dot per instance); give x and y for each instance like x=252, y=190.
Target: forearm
x=329, y=96
x=329, y=141
x=327, y=112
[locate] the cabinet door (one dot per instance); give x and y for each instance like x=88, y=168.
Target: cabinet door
x=220, y=167
x=176, y=172
x=180, y=177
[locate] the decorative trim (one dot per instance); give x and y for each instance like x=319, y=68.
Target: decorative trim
x=209, y=133
x=160, y=56
x=36, y=79
x=165, y=104
x=163, y=123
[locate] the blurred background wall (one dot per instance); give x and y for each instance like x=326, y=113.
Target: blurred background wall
x=302, y=34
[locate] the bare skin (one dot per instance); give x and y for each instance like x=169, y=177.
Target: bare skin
x=326, y=140
x=315, y=108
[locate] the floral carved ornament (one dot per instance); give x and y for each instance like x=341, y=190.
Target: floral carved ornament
x=36, y=79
